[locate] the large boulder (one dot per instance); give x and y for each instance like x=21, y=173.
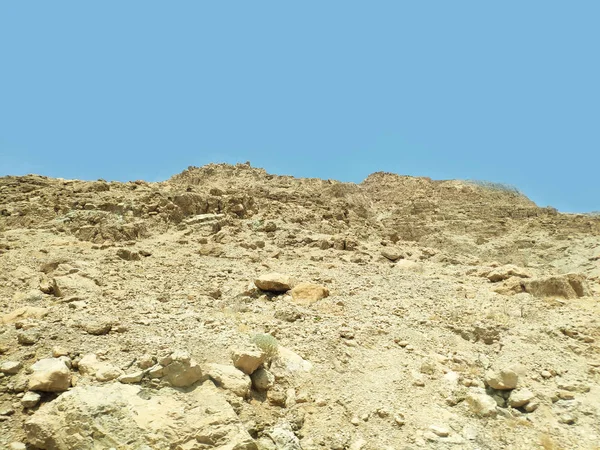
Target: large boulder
x=274, y=282
x=50, y=375
x=127, y=416
x=565, y=286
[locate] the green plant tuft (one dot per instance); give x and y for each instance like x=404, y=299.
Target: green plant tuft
x=266, y=343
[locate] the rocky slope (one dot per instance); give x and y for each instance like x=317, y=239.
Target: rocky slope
x=228, y=308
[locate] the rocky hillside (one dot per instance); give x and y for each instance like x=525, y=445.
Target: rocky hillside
x=228, y=308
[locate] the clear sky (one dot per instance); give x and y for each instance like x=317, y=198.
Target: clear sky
x=501, y=91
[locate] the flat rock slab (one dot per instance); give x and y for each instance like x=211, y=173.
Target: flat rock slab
x=127, y=416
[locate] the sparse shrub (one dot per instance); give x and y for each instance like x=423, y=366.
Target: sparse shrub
x=266, y=343
x=500, y=187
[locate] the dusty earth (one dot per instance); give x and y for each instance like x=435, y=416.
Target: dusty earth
x=228, y=308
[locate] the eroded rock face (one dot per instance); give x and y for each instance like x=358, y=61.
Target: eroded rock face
x=564, y=286
x=127, y=416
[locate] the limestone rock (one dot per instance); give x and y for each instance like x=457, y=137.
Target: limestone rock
x=10, y=367
x=247, y=359
x=481, y=404
x=308, y=293
x=134, y=377
x=284, y=438
x=262, y=379
x=128, y=255
x=504, y=379
x=506, y=272
x=274, y=282
x=126, y=416
x=98, y=328
x=287, y=363
x=107, y=372
x=27, y=312
x=393, y=254
x=50, y=375
x=520, y=397
x=30, y=399
x=564, y=286
x=182, y=371
x=229, y=378
x=28, y=337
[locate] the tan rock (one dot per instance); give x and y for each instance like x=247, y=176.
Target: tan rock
x=288, y=364
x=262, y=379
x=503, y=379
x=274, y=282
x=506, y=272
x=520, y=397
x=248, y=359
x=308, y=293
x=119, y=415
x=108, y=372
x=27, y=312
x=564, y=286
x=481, y=404
x=229, y=378
x=50, y=375
x=182, y=370
x=392, y=253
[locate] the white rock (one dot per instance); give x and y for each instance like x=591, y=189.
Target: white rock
x=287, y=363
x=183, y=371
x=30, y=399
x=10, y=367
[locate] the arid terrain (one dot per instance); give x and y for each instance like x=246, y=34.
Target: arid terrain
x=227, y=308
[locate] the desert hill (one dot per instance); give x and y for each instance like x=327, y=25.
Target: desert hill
x=228, y=308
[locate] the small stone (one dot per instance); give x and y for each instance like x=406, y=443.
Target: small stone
x=98, y=328
x=398, y=419
x=273, y=282
x=520, y=397
x=393, y=254
x=145, y=362
x=17, y=446
x=531, y=406
x=230, y=378
x=355, y=421
x=129, y=378
x=262, y=379
x=50, y=375
x=6, y=411
x=320, y=402
x=566, y=418
x=59, y=351
x=156, y=371
x=248, y=359
x=128, y=255
x=440, y=431
x=470, y=432
x=545, y=374
x=504, y=379
x=481, y=404
x=11, y=367
x=565, y=395
x=28, y=337
x=107, y=372
x=30, y=399
x=307, y=293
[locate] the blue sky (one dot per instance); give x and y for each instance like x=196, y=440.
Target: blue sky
x=501, y=91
